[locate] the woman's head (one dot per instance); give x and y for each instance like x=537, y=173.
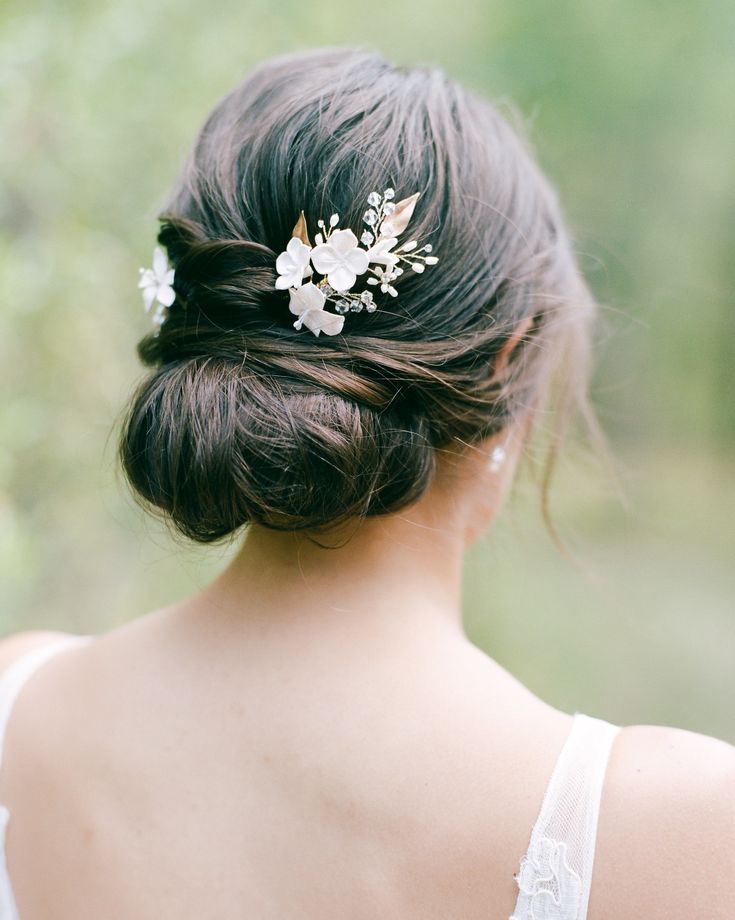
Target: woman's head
x=245, y=419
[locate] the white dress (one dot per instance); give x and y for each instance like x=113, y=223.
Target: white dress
x=554, y=874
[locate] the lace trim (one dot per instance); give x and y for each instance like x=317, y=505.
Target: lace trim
x=549, y=888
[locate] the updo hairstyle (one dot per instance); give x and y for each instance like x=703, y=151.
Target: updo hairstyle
x=245, y=419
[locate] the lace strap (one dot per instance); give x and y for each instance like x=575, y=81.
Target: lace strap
x=556, y=872
x=13, y=679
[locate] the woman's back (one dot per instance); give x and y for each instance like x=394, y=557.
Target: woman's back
x=171, y=772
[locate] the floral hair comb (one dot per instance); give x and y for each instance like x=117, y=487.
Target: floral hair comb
x=339, y=259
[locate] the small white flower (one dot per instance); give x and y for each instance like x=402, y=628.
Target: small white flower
x=384, y=278
x=381, y=252
x=156, y=283
x=307, y=302
x=292, y=264
x=340, y=260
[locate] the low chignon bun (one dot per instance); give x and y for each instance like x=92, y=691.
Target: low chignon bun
x=215, y=448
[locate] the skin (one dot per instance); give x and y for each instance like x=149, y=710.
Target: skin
x=314, y=736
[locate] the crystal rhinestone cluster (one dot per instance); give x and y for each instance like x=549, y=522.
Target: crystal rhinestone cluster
x=339, y=260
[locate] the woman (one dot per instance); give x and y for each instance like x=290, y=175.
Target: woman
x=371, y=305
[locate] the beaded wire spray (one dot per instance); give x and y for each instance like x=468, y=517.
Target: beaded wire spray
x=337, y=258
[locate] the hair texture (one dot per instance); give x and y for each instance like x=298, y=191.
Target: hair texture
x=244, y=419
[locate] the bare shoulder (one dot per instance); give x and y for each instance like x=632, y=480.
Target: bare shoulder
x=666, y=834
x=14, y=646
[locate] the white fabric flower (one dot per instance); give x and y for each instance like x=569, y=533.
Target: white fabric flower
x=307, y=302
x=292, y=264
x=156, y=282
x=380, y=252
x=340, y=260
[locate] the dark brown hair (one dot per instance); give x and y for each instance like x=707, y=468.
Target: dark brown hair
x=245, y=419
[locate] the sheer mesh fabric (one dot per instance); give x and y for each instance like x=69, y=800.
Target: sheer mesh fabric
x=555, y=874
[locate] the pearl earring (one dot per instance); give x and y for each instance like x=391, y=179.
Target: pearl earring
x=497, y=456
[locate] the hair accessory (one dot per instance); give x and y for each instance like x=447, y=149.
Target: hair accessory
x=339, y=259
x=156, y=285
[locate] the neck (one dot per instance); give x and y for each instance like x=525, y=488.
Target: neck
x=389, y=572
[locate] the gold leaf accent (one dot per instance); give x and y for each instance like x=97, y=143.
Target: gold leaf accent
x=399, y=219
x=300, y=231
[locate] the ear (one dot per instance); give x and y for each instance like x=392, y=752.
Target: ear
x=502, y=358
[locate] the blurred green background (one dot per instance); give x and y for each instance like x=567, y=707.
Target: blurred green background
x=629, y=108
